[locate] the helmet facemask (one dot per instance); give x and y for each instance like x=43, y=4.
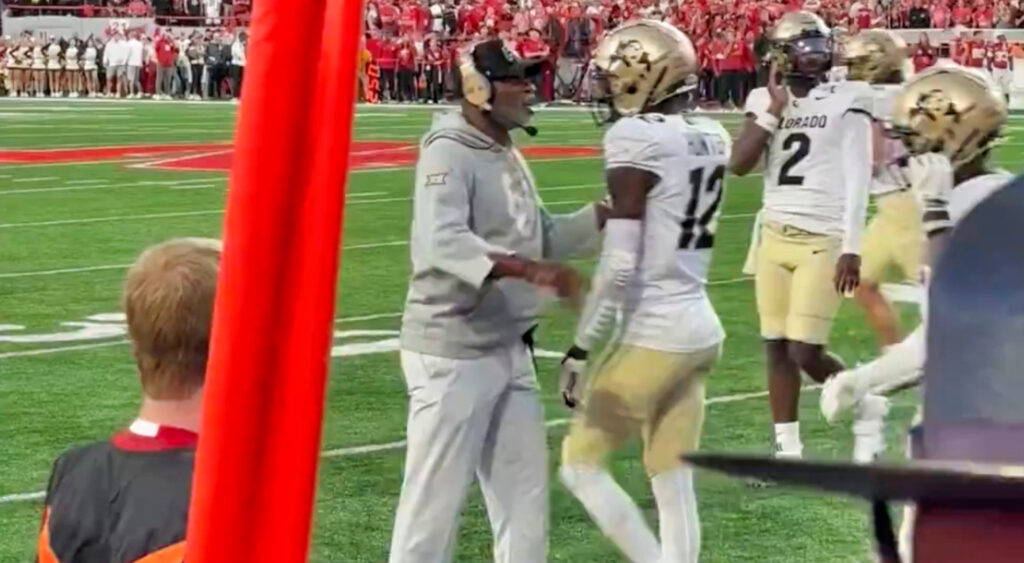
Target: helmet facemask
x=806, y=59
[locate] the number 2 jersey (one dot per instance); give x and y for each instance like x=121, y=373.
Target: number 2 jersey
x=818, y=162
x=665, y=305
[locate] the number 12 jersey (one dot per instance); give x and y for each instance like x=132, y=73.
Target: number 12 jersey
x=666, y=305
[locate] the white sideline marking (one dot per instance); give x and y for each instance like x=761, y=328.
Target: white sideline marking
x=397, y=445
x=36, y=179
x=86, y=181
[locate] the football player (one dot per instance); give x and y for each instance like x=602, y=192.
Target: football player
x=816, y=142
x=665, y=171
x=948, y=119
x=894, y=239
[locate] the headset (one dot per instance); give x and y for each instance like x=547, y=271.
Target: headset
x=476, y=88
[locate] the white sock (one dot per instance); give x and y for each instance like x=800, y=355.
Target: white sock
x=869, y=428
x=678, y=520
x=613, y=511
x=787, y=437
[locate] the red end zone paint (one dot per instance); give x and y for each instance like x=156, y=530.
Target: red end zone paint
x=217, y=157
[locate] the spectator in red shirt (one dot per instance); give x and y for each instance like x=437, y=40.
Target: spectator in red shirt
x=167, y=65
x=717, y=49
x=983, y=16
x=434, y=68
x=962, y=14
x=923, y=54
x=388, y=61
x=864, y=17
x=732, y=67
x=389, y=15
x=534, y=47
x=406, y=58
x=408, y=20
x=940, y=15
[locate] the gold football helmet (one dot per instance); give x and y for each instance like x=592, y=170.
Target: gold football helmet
x=951, y=110
x=875, y=56
x=640, y=65
x=802, y=45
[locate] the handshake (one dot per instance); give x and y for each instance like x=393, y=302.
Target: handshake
x=563, y=280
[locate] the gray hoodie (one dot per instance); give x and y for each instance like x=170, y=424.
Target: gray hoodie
x=474, y=197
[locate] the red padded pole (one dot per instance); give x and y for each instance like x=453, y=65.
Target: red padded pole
x=255, y=476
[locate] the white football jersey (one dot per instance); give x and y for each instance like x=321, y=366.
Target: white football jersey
x=803, y=177
x=884, y=180
x=666, y=306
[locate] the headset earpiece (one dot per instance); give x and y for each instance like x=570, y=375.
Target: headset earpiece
x=476, y=88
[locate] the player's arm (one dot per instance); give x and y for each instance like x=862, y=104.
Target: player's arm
x=572, y=235
x=764, y=111
x=628, y=186
x=441, y=223
x=857, y=156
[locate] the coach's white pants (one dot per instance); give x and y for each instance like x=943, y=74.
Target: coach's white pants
x=484, y=417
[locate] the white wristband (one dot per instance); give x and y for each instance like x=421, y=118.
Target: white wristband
x=768, y=122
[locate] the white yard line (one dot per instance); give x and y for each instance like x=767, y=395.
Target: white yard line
x=136, y=185
x=60, y=271
x=217, y=211
x=35, y=179
x=400, y=444
x=111, y=218
x=47, y=351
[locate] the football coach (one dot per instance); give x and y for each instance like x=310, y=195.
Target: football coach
x=481, y=249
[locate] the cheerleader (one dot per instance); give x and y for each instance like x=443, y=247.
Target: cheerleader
x=53, y=67
x=12, y=70
x=5, y=63
x=20, y=57
x=72, y=68
x=38, y=68
x=90, y=70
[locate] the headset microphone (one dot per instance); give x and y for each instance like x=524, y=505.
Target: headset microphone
x=530, y=130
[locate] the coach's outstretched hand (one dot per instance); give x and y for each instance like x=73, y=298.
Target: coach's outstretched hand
x=565, y=281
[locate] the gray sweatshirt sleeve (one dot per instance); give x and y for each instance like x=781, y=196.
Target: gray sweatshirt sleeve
x=572, y=235
x=441, y=211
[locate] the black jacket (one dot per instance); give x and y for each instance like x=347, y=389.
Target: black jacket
x=119, y=501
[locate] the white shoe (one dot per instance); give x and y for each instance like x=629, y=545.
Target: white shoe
x=869, y=428
x=838, y=395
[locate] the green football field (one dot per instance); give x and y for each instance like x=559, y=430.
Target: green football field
x=86, y=186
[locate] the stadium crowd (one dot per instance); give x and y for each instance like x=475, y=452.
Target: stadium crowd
x=411, y=47
x=126, y=63
x=178, y=12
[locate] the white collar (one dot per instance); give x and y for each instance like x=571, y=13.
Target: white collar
x=144, y=428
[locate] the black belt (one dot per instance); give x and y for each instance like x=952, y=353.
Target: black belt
x=529, y=341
